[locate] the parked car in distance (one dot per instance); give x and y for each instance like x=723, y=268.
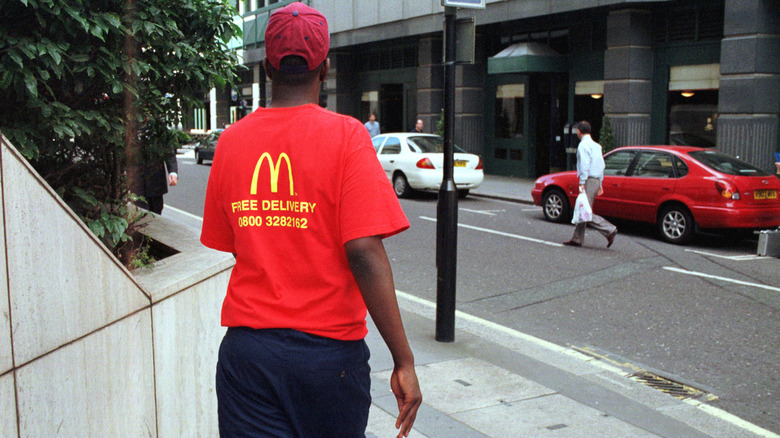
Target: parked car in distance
x=415, y=161
x=677, y=188
x=204, y=149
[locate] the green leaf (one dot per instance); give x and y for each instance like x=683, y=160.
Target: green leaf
x=5, y=79
x=16, y=57
x=31, y=83
x=97, y=228
x=114, y=20
x=55, y=55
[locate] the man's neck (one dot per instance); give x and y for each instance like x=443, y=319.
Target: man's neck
x=284, y=97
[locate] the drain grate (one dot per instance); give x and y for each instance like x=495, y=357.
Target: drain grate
x=675, y=389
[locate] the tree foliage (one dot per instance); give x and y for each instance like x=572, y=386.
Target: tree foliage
x=79, y=78
x=606, y=135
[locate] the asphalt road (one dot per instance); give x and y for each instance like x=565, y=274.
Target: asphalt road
x=704, y=315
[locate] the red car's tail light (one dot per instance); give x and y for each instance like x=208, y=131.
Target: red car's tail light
x=727, y=189
x=479, y=165
x=425, y=163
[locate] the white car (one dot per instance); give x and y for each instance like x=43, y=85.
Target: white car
x=415, y=161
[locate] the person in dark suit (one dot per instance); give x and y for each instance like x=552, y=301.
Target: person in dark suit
x=153, y=181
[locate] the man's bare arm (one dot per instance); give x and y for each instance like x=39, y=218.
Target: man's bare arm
x=371, y=268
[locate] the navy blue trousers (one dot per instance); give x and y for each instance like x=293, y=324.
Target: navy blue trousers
x=286, y=383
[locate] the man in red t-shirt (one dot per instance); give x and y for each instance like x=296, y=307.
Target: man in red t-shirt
x=297, y=194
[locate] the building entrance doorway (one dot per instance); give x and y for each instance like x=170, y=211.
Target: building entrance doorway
x=507, y=133
x=391, y=107
x=524, y=131
x=550, y=97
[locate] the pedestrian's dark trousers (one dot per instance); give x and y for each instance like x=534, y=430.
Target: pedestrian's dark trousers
x=153, y=204
x=286, y=383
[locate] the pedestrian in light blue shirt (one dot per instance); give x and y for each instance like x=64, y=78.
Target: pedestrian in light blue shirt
x=590, y=163
x=590, y=171
x=372, y=125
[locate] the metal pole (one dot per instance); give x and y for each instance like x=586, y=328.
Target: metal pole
x=447, y=208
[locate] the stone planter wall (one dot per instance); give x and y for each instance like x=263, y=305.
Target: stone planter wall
x=88, y=348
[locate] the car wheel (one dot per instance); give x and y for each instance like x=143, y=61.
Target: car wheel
x=401, y=186
x=675, y=224
x=198, y=158
x=463, y=193
x=556, y=206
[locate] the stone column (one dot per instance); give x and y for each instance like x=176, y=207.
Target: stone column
x=340, y=84
x=749, y=98
x=430, y=84
x=628, y=74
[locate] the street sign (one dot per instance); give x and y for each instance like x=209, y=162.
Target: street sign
x=465, y=31
x=473, y=4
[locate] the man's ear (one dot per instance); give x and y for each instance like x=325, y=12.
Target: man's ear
x=324, y=70
x=267, y=68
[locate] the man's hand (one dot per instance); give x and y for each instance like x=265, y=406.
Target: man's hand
x=173, y=179
x=601, y=191
x=407, y=393
x=582, y=188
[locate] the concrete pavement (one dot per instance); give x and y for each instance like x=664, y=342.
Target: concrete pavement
x=496, y=382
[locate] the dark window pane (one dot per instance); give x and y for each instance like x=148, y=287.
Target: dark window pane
x=654, y=165
x=725, y=164
x=682, y=168
x=616, y=164
x=392, y=146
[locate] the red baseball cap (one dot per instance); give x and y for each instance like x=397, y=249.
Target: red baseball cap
x=297, y=29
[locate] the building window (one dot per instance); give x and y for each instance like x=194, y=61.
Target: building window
x=686, y=24
x=387, y=58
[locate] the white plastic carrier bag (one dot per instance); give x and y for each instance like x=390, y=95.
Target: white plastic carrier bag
x=582, y=210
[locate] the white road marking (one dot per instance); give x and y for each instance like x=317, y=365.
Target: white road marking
x=500, y=233
x=731, y=418
x=416, y=304
x=487, y=212
x=715, y=277
x=737, y=258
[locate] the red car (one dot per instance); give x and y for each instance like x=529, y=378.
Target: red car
x=677, y=188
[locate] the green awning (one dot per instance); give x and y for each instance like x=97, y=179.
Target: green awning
x=527, y=58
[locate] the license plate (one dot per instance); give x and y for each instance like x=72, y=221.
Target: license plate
x=460, y=163
x=765, y=194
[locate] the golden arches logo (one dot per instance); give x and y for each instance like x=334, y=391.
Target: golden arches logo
x=274, y=172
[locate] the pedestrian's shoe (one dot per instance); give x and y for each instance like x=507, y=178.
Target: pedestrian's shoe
x=611, y=238
x=573, y=243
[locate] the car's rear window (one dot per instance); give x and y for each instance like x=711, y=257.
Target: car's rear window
x=725, y=164
x=427, y=145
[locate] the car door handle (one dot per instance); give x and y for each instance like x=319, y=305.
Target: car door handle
x=392, y=161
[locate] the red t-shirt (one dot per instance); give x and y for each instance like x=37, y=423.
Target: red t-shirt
x=288, y=187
